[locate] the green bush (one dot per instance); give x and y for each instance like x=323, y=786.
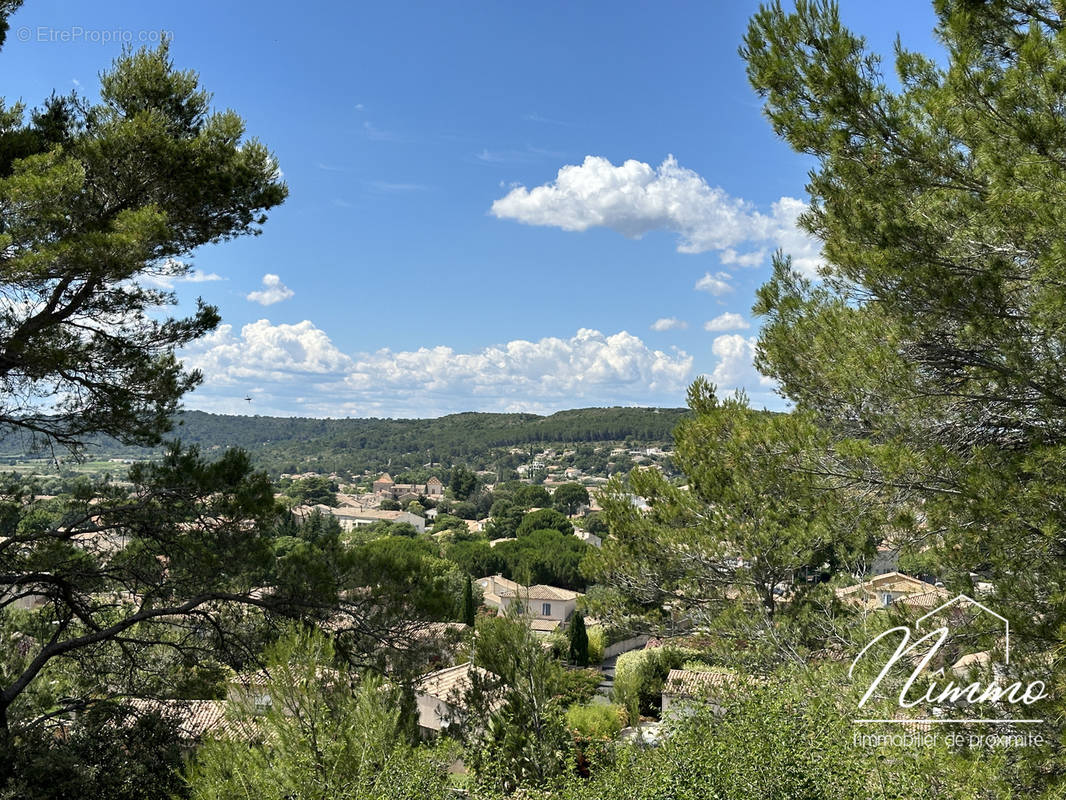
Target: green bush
x=597, y=644
x=790, y=739
x=640, y=674
x=597, y=720
x=577, y=686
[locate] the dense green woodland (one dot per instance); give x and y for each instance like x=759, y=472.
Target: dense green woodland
x=284, y=444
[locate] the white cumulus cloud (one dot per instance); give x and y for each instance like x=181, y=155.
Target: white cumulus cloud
x=635, y=198
x=735, y=369
x=267, y=352
x=669, y=324
x=273, y=291
x=726, y=322
x=297, y=369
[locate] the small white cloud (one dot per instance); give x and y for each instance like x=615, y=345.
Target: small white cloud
x=359, y=106
x=668, y=324
x=169, y=281
x=715, y=284
x=727, y=322
x=273, y=291
x=756, y=258
x=196, y=276
x=635, y=198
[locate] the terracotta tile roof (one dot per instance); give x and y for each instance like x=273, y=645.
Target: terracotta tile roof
x=692, y=683
x=263, y=677
x=540, y=591
x=544, y=625
x=889, y=581
x=195, y=717
x=543, y=592
x=451, y=682
x=438, y=630
x=932, y=599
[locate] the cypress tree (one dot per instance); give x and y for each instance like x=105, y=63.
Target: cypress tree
x=468, y=603
x=579, y=641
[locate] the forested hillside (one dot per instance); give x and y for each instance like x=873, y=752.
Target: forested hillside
x=282, y=444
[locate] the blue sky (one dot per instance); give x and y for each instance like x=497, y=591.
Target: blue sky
x=493, y=206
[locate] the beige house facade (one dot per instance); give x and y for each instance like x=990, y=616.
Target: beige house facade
x=547, y=606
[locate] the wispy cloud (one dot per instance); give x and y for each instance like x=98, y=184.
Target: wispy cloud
x=378, y=135
x=388, y=186
x=535, y=117
x=668, y=324
x=170, y=281
x=526, y=155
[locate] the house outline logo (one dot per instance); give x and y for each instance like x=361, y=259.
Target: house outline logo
x=973, y=693
x=966, y=598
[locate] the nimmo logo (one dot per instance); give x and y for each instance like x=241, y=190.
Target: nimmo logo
x=936, y=653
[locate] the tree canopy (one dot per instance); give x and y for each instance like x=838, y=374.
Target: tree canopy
x=99, y=204
x=569, y=496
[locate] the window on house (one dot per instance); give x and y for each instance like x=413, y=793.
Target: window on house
x=546, y=609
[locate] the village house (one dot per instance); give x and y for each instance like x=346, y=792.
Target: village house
x=385, y=487
x=439, y=696
x=588, y=538
x=194, y=719
x=686, y=687
x=893, y=588
x=547, y=606
x=352, y=518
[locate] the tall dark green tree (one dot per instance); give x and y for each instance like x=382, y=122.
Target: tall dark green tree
x=513, y=726
x=932, y=345
x=462, y=482
x=543, y=519
x=579, y=641
x=469, y=610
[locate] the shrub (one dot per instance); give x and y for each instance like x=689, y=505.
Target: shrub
x=577, y=686
x=640, y=674
x=596, y=720
x=597, y=644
